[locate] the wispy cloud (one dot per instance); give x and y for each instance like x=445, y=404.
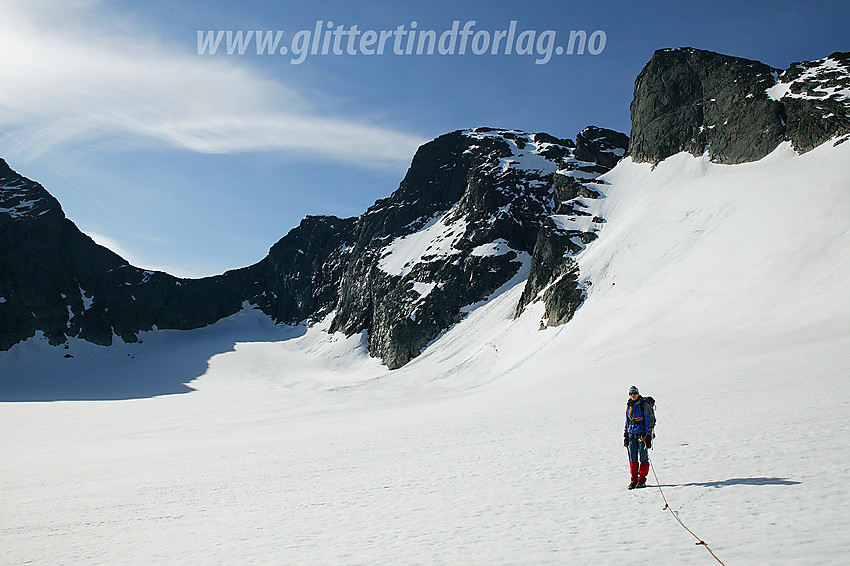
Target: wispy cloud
x=78, y=74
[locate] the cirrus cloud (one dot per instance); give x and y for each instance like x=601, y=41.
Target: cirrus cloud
x=82, y=76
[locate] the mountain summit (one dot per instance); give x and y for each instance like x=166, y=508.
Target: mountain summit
x=477, y=210
x=737, y=110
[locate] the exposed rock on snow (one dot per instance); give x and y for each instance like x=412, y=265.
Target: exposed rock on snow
x=472, y=202
x=737, y=110
x=602, y=146
x=299, y=279
x=816, y=97
x=696, y=101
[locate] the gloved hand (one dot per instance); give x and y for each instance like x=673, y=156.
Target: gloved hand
x=648, y=440
x=626, y=439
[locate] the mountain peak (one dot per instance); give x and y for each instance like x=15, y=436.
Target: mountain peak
x=473, y=210
x=696, y=101
x=735, y=109
x=465, y=220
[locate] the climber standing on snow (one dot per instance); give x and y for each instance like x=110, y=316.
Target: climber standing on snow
x=637, y=437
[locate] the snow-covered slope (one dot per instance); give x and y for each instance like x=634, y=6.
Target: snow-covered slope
x=700, y=249
x=718, y=289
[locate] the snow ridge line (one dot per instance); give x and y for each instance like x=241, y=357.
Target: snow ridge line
x=700, y=542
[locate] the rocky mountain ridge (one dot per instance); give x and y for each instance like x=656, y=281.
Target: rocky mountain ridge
x=477, y=209
x=466, y=218
x=57, y=280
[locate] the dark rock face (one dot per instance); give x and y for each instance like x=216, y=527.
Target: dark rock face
x=692, y=100
x=602, y=146
x=55, y=279
x=553, y=277
x=30, y=219
x=300, y=277
x=458, y=228
x=549, y=262
x=736, y=109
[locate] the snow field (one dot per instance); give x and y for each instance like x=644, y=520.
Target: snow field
x=496, y=475
x=719, y=290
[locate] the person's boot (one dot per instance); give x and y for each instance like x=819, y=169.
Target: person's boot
x=633, y=468
x=641, y=480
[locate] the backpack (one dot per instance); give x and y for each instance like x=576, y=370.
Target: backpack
x=651, y=402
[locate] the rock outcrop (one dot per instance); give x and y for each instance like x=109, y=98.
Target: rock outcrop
x=299, y=279
x=816, y=98
x=465, y=220
x=553, y=277
x=696, y=101
x=737, y=110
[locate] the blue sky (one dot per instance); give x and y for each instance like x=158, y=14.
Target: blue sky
x=195, y=164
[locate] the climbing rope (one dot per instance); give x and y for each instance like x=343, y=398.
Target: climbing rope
x=700, y=542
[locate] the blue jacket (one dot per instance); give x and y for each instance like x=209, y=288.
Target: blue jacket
x=640, y=418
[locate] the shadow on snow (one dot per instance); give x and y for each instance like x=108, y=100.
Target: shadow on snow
x=738, y=481
x=164, y=363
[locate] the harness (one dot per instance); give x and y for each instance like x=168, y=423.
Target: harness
x=636, y=420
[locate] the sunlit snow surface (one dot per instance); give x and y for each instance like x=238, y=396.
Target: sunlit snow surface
x=721, y=290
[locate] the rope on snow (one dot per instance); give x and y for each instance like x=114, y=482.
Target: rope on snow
x=699, y=542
